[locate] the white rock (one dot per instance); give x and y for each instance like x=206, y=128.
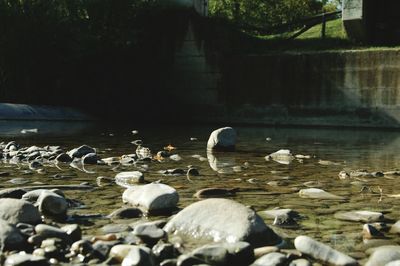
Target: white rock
x=316, y=193
x=322, y=252
x=281, y=156
x=222, y=139
x=129, y=179
x=152, y=197
x=221, y=220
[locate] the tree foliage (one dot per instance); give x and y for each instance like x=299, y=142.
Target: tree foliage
x=268, y=13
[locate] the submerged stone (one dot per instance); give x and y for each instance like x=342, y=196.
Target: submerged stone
x=316, y=193
x=281, y=156
x=360, y=216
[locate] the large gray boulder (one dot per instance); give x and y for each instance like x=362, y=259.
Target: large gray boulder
x=152, y=197
x=17, y=211
x=222, y=139
x=322, y=252
x=10, y=236
x=383, y=255
x=222, y=220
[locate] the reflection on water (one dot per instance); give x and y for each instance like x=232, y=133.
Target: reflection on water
x=262, y=184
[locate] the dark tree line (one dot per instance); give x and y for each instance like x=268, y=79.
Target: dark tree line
x=269, y=13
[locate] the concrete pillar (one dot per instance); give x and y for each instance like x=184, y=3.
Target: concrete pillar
x=354, y=19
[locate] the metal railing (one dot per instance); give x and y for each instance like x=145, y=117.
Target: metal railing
x=303, y=24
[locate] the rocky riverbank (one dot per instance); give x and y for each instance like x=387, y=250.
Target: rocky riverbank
x=37, y=226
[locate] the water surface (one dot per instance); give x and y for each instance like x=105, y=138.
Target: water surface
x=262, y=184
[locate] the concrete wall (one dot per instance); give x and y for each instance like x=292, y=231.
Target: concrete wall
x=352, y=88
x=344, y=88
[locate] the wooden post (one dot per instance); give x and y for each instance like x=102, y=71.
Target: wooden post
x=323, y=30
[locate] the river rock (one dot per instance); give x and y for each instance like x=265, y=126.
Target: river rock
x=152, y=197
x=395, y=229
x=73, y=231
x=63, y=158
x=360, y=216
x=23, y=259
x=139, y=256
x=222, y=139
x=119, y=252
x=222, y=220
x=370, y=232
x=14, y=193
x=189, y=260
x=393, y=263
x=91, y=158
x=32, y=196
x=192, y=172
x=300, y=262
x=81, y=151
x=163, y=251
x=272, y=214
x=322, y=252
x=52, y=204
x=125, y=213
x=281, y=156
x=129, y=179
x=316, y=193
x=17, y=211
x=212, y=254
x=10, y=237
x=383, y=255
x=214, y=193
x=47, y=231
x=271, y=259
x=149, y=233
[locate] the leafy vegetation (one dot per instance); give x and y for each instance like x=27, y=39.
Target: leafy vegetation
x=269, y=13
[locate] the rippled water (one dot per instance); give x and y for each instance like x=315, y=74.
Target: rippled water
x=262, y=184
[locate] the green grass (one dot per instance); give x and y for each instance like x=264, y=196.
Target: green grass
x=335, y=39
x=334, y=29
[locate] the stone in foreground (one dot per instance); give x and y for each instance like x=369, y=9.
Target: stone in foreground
x=222, y=139
x=322, y=252
x=17, y=211
x=10, y=236
x=139, y=256
x=383, y=255
x=152, y=197
x=271, y=259
x=25, y=259
x=222, y=220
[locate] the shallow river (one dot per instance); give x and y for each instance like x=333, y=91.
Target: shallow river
x=260, y=183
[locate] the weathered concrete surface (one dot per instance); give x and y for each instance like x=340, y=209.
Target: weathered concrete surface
x=353, y=19
x=359, y=88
